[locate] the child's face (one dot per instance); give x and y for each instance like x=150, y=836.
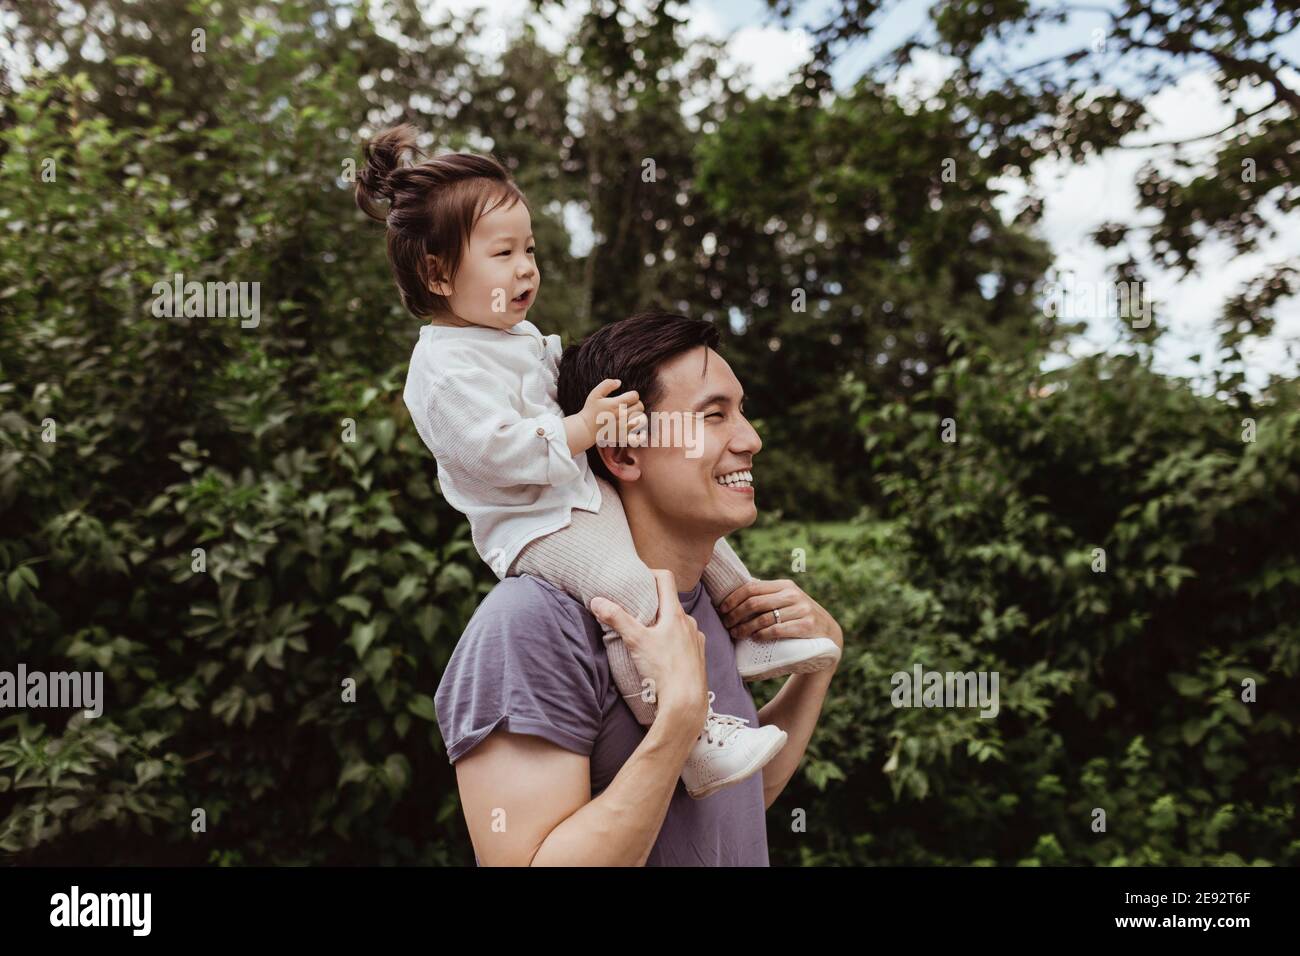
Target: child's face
x=498, y=266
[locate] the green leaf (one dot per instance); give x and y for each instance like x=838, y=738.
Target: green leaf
x=427, y=620
x=363, y=634
x=360, y=561
x=1238, y=711
x=1193, y=731
x=1188, y=686
x=422, y=706
x=377, y=663
x=353, y=772
x=403, y=592
x=453, y=577
x=355, y=602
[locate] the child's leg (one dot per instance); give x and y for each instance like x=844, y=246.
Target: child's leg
x=725, y=572
x=595, y=556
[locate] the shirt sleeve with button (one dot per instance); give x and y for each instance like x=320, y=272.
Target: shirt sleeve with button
x=480, y=432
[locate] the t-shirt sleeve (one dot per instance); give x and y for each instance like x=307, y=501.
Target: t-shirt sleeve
x=473, y=425
x=524, y=665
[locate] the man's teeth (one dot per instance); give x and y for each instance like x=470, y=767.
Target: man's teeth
x=742, y=479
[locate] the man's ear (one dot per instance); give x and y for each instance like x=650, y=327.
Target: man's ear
x=439, y=284
x=622, y=461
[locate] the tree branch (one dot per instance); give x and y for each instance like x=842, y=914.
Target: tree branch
x=1192, y=139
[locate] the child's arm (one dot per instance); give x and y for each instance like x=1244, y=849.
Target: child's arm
x=473, y=424
x=583, y=428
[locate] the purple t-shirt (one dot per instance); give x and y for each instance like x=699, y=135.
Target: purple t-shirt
x=532, y=661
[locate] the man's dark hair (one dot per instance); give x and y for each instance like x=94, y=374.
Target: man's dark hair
x=630, y=350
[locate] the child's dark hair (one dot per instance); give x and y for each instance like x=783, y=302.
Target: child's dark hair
x=432, y=209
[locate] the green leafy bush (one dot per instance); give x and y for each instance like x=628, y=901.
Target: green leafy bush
x=128, y=440
x=1120, y=690
x=229, y=523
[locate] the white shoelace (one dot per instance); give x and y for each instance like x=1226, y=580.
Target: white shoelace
x=724, y=725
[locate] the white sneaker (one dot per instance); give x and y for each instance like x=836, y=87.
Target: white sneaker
x=727, y=752
x=759, y=660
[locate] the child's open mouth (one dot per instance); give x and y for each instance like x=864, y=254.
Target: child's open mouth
x=522, y=298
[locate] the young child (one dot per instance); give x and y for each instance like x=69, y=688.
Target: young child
x=481, y=390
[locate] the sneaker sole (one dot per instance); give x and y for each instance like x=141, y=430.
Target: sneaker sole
x=777, y=745
x=810, y=666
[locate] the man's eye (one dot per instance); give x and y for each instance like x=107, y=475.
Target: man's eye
x=715, y=415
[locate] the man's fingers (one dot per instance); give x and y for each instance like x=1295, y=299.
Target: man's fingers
x=614, y=616
x=748, y=590
x=667, y=586
x=757, y=604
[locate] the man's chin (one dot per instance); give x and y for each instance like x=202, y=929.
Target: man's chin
x=708, y=514
x=740, y=515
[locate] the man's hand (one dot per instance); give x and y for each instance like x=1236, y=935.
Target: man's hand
x=583, y=429
x=748, y=612
x=546, y=789
x=670, y=654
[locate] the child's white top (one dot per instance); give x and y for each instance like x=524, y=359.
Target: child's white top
x=484, y=402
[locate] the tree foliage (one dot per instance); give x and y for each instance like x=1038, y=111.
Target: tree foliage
x=234, y=523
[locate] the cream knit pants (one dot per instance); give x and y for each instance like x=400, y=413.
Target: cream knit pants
x=594, y=556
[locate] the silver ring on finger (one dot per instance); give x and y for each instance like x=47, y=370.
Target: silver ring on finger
x=777, y=613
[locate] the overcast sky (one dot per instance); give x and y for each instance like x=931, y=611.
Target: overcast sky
x=1076, y=197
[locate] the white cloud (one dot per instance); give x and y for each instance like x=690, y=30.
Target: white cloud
x=921, y=78
x=1077, y=198
x=766, y=57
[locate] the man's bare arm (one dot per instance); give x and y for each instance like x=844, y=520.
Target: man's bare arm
x=528, y=801
x=795, y=709
x=748, y=612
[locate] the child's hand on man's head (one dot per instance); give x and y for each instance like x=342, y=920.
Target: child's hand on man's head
x=606, y=414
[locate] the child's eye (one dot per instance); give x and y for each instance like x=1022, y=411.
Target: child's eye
x=531, y=250
x=505, y=253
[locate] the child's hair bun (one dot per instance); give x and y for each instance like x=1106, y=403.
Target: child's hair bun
x=429, y=210
x=383, y=156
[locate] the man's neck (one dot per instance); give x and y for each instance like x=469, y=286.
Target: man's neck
x=662, y=546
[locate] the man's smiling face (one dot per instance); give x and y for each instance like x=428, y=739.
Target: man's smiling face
x=689, y=492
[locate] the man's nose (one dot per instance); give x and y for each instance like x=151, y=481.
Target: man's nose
x=746, y=439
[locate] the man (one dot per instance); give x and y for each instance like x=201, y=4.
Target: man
x=552, y=767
